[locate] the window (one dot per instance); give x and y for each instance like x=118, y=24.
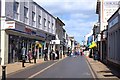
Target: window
x=48, y=24
x=16, y=10
x=25, y=12
x=33, y=18
x=52, y=26
x=39, y=19
x=16, y=6
x=44, y=22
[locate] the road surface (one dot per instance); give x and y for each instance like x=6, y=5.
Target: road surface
x=70, y=67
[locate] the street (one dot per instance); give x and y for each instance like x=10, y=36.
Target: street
x=70, y=67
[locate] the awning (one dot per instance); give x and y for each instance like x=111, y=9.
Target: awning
x=93, y=45
x=39, y=44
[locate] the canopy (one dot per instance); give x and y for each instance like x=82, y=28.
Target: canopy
x=93, y=45
x=39, y=45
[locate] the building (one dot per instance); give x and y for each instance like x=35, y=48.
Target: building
x=23, y=24
x=114, y=38
x=104, y=9
x=58, y=42
x=88, y=38
x=71, y=43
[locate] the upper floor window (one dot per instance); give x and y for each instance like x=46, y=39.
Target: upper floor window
x=16, y=6
x=16, y=10
x=52, y=25
x=48, y=24
x=39, y=19
x=25, y=12
x=33, y=16
x=44, y=22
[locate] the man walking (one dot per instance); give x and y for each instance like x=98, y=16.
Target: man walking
x=45, y=52
x=57, y=52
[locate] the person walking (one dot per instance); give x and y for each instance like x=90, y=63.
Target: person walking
x=51, y=55
x=23, y=55
x=57, y=52
x=45, y=52
x=29, y=55
x=81, y=52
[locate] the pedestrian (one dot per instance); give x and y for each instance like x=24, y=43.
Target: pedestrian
x=57, y=52
x=94, y=54
x=23, y=55
x=54, y=55
x=81, y=52
x=45, y=52
x=35, y=55
x=51, y=55
x=29, y=55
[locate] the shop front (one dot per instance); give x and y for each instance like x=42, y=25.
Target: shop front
x=104, y=46
x=22, y=36
x=16, y=43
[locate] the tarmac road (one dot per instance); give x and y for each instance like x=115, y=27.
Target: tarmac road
x=70, y=67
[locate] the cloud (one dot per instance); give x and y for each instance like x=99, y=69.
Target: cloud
x=67, y=5
x=78, y=15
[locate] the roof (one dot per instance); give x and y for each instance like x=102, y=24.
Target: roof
x=43, y=9
x=60, y=21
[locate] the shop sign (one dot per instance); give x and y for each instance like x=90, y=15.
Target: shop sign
x=104, y=34
x=33, y=29
x=27, y=30
x=42, y=35
x=113, y=22
x=99, y=37
x=56, y=42
x=9, y=25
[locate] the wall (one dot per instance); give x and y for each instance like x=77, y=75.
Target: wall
x=114, y=39
x=38, y=11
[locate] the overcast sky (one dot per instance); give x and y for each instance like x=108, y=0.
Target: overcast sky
x=78, y=15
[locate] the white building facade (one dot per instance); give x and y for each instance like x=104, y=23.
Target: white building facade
x=22, y=25
x=58, y=41
x=105, y=9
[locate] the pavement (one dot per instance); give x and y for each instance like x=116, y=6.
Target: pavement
x=17, y=66
x=101, y=70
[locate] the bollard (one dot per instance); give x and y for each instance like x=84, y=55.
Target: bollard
x=3, y=72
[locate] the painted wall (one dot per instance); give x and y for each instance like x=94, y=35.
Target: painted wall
x=32, y=7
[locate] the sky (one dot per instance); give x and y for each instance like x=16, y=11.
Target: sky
x=79, y=16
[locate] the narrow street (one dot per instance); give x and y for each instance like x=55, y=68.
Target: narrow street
x=70, y=67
